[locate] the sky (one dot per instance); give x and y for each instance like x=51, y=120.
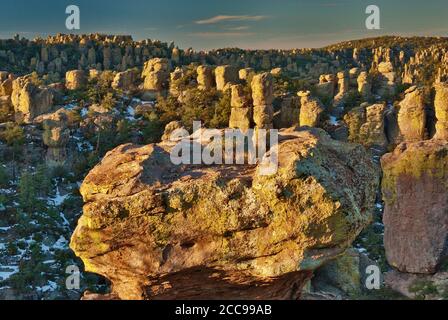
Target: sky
x=247, y=24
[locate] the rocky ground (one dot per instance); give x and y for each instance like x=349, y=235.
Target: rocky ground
x=86, y=121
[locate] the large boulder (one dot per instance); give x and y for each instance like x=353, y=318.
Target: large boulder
x=225, y=76
x=29, y=100
x=155, y=74
x=161, y=231
x=311, y=110
x=124, y=80
x=415, y=192
x=75, y=79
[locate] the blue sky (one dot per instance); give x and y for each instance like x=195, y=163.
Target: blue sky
x=206, y=24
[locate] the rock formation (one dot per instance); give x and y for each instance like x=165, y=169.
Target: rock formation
x=124, y=80
x=289, y=112
x=412, y=116
x=416, y=205
x=326, y=87
x=155, y=74
x=55, y=136
x=366, y=126
x=441, y=109
x=30, y=101
x=387, y=79
x=241, y=114
x=263, y=97
x=205, y=78
x=75, y=79
x=246, y=74
x=311, y=110
x=343, y=88
x=364, y=86
x=195, y=232
x=225, y=76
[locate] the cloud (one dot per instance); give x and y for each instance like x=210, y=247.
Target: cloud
x=221, y=34
x=222, y=18
x=240, y=28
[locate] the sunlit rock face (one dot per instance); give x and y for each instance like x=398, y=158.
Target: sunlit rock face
x=161, y=231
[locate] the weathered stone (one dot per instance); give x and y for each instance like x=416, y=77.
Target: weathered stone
x=326, y=87
x=30, y=101
x=240, y=118
x=192, y=232
x=246, y=74
x=418, y=286
x=205, y=78
x=387, y=79
x=412, y=116
x=225, y=75
x=75, y=79
x=367, y=126
x=311, y=110
x=416, y=197
x=263, y=89
x=124, y=80
x=343, y=88
x=170, y=128
x=364, y=85
x=441, y=108
x=155, y=74
x=6, y=84
x=289, y=112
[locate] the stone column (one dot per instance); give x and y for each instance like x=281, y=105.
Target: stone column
x=241, y=115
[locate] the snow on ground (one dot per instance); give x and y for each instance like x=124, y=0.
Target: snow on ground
x=51, y=286
x=7, y=271
x=61, y=244
x=58, y=199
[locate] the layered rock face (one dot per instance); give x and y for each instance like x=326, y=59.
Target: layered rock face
x=415, y=192
x=412, y=116
x=241, y=114
x=366, y=126
x=75, y=79
x=30, y=101
x=263, y=97
x=225, y=75
x=205, y=78
x=311, y=110
x=160, y=231
x=124, y=80
x=441, y=108
x=155, y=74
